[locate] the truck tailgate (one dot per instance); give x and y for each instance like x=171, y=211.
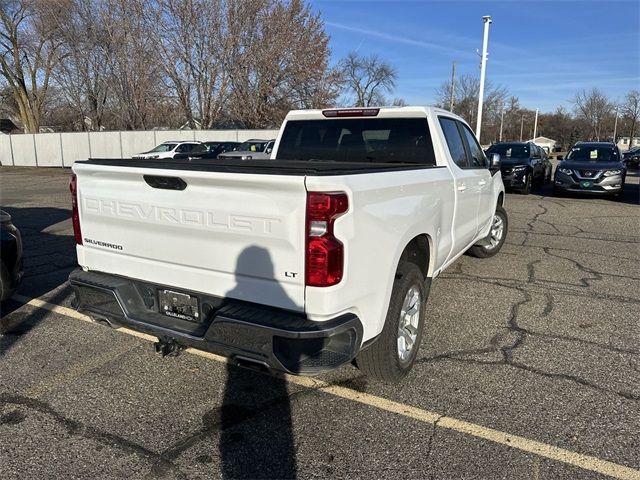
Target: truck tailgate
x=225, y=234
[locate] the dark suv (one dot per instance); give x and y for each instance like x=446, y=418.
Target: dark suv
x=10, y=256
x=591, y=167
x=632, y=157
x=522, y=164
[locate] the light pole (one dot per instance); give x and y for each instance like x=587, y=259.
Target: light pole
x=535, y=126
x=521, y=126
x=483, y=67
x=615, y=127
x=501, y=122
x=453, y=86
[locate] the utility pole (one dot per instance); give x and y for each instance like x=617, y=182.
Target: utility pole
x=521, y=126
x=501, y=122
x=615, y=129
x=535, y=126
x=483, y=70
x=453, y=86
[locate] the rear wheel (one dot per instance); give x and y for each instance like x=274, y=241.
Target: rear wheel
x=390, y=357
x=497, y=235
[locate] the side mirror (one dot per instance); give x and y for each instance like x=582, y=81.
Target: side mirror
x=559, y=157
x=495, y=161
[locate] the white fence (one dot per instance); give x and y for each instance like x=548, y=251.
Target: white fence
x=62, y=149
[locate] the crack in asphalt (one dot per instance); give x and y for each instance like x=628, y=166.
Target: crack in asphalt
x=220, y=419
x=432, y=436
x=576, y=236
x=541, y=286
x=584, y=281
x=79, y=429
x=536, y=216
x=520, y=333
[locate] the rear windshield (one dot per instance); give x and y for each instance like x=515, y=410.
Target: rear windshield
x=585, y=153
x=506, y=150
x=372, y=140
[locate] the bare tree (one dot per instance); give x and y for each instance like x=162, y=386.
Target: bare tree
x=276, y=56
x=467, y=90
x=29, y=51
x=83, y=72
x=367, y=79
x=630, y=110
x=594, y=107
x=192, y=50
x=558, y=126
x=134, y=72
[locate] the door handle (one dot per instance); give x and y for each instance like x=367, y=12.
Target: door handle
x=462, y=187
x=482, y=183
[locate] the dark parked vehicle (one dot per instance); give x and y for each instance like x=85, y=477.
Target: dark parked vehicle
x=522, y=164
x=10, y=256
x=632, y=157
x=208, y=150
x=592, y=168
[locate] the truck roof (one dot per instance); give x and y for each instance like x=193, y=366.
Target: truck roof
x=382, y=112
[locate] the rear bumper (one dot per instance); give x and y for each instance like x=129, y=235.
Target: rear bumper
x=246, y=333
x=591, y=190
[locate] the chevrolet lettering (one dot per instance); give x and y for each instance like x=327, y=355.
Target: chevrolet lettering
x=179, y=216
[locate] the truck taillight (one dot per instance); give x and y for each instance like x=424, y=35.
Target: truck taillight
x=75, y=215
x=325, y=253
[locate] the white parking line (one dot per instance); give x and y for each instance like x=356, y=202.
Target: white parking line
x=585, y=462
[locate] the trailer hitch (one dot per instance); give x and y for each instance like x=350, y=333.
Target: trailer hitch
x=168, y=347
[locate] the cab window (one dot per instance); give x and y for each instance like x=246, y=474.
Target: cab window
x=476, y=158
x=454, y=141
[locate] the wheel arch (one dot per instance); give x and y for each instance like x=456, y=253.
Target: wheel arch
x=419, y=251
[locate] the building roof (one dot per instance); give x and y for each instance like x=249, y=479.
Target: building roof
x=543, y=140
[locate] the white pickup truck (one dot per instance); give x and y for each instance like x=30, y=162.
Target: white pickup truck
x=317, y=257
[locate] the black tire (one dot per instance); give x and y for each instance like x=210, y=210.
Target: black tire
x=381, y=360
x=526, y=190
x=5, y=282
x=486, y=251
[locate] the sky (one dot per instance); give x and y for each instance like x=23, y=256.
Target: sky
x=543, y=51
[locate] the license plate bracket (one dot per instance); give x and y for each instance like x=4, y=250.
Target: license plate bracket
x=586, y=184
x=179, y=305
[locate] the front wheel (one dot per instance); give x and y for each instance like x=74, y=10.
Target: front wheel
x=390, y=357
x=492, y=244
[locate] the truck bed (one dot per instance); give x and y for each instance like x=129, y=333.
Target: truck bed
x=266, y=167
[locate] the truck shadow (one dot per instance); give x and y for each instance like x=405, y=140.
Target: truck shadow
x=256, y=440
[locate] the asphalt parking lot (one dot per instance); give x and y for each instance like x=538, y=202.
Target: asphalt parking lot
x=529, y=368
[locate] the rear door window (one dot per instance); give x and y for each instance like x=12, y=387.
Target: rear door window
x=454, y=141
x=372, y=140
